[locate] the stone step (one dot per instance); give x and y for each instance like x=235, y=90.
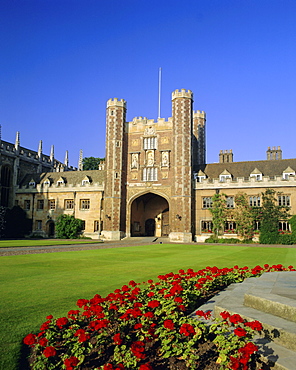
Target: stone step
x=269, y=303
x=280, y=351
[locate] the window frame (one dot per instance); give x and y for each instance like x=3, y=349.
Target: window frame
x=84, y=204
x=69, y=204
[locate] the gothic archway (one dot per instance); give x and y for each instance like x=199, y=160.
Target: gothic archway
x=149, y=216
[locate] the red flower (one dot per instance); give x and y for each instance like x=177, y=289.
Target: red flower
x=71, y=362
x=255, y=325
x=82, y=335
x=149, y=314
x=178, y=300
x=49, y=351
x=117, y=340
x=30, y=339
x=82, y=302
x=225, y=315
x=150, y=294
x=49, y=317
x=43, y=342
x=240, y=332
x=153, y=304
x=235, y=319
x=187, y=329
x=146, y=367
x=204, y=314
x=169, y=324
x=138, y=326
x=248, y=349
x=45, y=325
x=61, y=322
x=138, y=348
x=72, y=314
x=113, y=307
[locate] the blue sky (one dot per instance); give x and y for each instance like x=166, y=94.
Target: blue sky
x=60, y=61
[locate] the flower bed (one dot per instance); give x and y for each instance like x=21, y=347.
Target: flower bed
x=147, y=326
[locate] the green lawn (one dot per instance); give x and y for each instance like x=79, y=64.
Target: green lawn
x=34, y=286
x=44, y=242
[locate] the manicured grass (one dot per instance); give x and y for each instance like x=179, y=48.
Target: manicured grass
x=34, y=286
x=44, y=242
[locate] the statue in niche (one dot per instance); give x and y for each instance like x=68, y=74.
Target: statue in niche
x=165, y=159
x=134, y=160
x=150, y=158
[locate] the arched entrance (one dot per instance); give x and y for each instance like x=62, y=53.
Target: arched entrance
x=149, y=216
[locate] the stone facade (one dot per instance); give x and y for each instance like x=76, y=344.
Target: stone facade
x=155, y=180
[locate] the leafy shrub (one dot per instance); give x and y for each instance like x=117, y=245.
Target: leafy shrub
x=212, y=239
x=229, y=240
x=68, y=227
x=247, y=241
x=287, y=239
x=146, y=326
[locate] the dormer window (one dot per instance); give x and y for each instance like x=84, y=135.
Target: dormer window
x=200, y=176
x=288, y=172
x=224, y=176
x=61, y=182
x=257, y=177
x=47, y=182
x=32, y=184
x=85, y=181
x=256, y=174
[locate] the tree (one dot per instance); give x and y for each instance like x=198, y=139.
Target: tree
x=17, y=223
x=91, y=163
x=270, y=215
x=219, y=213
x=244, y=216
x=68, y=227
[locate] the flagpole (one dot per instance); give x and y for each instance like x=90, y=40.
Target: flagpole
x=159, y=91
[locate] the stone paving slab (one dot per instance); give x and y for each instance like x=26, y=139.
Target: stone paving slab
x=281, y=351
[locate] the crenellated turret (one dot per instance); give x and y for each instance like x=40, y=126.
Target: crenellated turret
x=116, y=162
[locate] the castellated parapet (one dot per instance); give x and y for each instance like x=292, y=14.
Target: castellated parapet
x=199, y=114
x=116, y=103
x=183, y=93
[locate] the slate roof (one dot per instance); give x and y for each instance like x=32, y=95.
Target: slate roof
x=70, y=177
x=244, y=169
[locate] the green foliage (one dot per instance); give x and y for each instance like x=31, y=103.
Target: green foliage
x=219, y=213
x=68, y=227
x=270, y=215
x=244, y=216
x=286, y=239
x=17, y=224
x=141, y=322
x=292, y=222
x=91, y=163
